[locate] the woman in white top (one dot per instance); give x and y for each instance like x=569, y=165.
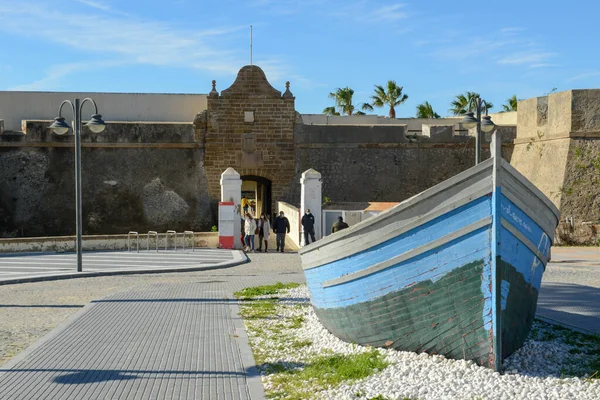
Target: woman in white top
x=264, y=230
x=249, y=228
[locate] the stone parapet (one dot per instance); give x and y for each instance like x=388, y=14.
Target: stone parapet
x=115, y=132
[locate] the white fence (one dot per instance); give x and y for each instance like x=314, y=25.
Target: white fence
x=293, y=215
x=350, y=217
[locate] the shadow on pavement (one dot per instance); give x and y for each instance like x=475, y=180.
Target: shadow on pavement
x=571, y=304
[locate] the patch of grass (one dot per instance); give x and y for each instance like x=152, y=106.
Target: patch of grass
x=379, y=397
x=327, y=371
x=301, y=343
x=264, y=290
x=259, y=309
x=296, y=322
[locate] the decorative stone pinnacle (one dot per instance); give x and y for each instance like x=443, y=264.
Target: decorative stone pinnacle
x=288, y=94
x=214, y=92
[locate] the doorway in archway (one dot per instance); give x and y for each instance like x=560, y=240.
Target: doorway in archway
x=258, y=190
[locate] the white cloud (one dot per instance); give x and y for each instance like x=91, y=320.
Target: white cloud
x=56, y=74
x=124, y=40
x=583, y=76
x=512, y=29
x=387, y=13
x=526, y=58
x=95, y=4
x=362, y=11
x=544, y=65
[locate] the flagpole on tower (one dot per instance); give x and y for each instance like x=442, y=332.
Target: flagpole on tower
x=250, y=44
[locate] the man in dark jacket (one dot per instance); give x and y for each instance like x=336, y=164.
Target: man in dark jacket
x=339, y=225
x=281, y=226
x=308, y=223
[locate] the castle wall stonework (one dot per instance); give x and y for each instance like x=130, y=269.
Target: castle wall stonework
x=250, y=127
x=159, y=176
x=558, y=148
x=134, y=177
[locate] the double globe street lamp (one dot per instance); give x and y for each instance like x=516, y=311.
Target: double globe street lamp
x=484, y=124
x=60, y=127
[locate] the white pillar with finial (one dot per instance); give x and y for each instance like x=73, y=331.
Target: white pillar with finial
x=310, y=197
x=230, y=223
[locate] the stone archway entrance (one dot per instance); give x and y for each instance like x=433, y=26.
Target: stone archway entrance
x=258, y=189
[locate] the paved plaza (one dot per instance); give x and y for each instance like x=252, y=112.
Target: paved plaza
x=178, y=336
x=33, y=267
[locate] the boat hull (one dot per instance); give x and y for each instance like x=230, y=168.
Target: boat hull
x=461, y=279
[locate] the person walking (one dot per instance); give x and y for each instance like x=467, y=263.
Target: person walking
x=249, y=228
x=308, y=223
x=339, y=225
x=281, y=226
x=245, y=204
x=264, y=232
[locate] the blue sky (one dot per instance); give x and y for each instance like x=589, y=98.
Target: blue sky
x=435, y=49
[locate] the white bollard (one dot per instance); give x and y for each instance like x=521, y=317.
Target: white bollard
x=310, y=197
x=231, y=192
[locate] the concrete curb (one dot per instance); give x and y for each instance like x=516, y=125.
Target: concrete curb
x=256, y=390
x=565, y=325
x=239, y=258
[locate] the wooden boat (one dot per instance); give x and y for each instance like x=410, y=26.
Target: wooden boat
x=455, y=270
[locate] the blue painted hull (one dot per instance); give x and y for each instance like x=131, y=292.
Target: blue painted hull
x=465, y=283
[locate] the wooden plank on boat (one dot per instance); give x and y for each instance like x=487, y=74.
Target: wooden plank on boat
x=523, y=239
x=410, y=254
x=358, y=243
x=462, y=181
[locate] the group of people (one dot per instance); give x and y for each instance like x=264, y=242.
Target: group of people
x=281, y=226
x=262, y=227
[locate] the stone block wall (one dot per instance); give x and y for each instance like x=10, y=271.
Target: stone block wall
x=386, y=163
x=558, y=149
x=250, y=127
x=135, y=176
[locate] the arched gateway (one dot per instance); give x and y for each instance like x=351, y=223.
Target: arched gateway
x=250, y=127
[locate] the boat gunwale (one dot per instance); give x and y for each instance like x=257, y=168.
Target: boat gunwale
x=406, y=227
x=531, y=187
x=404, y=205
x=408, y=255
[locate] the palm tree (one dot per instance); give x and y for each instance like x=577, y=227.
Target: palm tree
x=330, y=111
x=343, y=102
x=392, y=97
x=511, y=104
x=425, y=110
x=459, y=105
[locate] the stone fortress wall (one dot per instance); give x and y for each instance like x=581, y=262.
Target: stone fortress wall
x=159, y=176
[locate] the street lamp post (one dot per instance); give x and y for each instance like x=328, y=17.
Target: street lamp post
x=60, y=127
x=484, y=124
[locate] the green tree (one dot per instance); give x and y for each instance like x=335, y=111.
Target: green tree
x=330, y=111
x=391, y=97
x=343, y=102
x=424, y=110
x=461, y=102
x=511, y=104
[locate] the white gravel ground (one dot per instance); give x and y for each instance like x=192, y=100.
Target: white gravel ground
x=534, y=372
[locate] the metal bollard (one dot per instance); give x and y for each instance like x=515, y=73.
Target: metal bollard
x=148, y=240
x=188, y=233
x=167, y=239
x=129, y=240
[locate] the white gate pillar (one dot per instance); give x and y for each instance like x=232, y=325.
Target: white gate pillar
x=310, y=197
x=231, y=191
